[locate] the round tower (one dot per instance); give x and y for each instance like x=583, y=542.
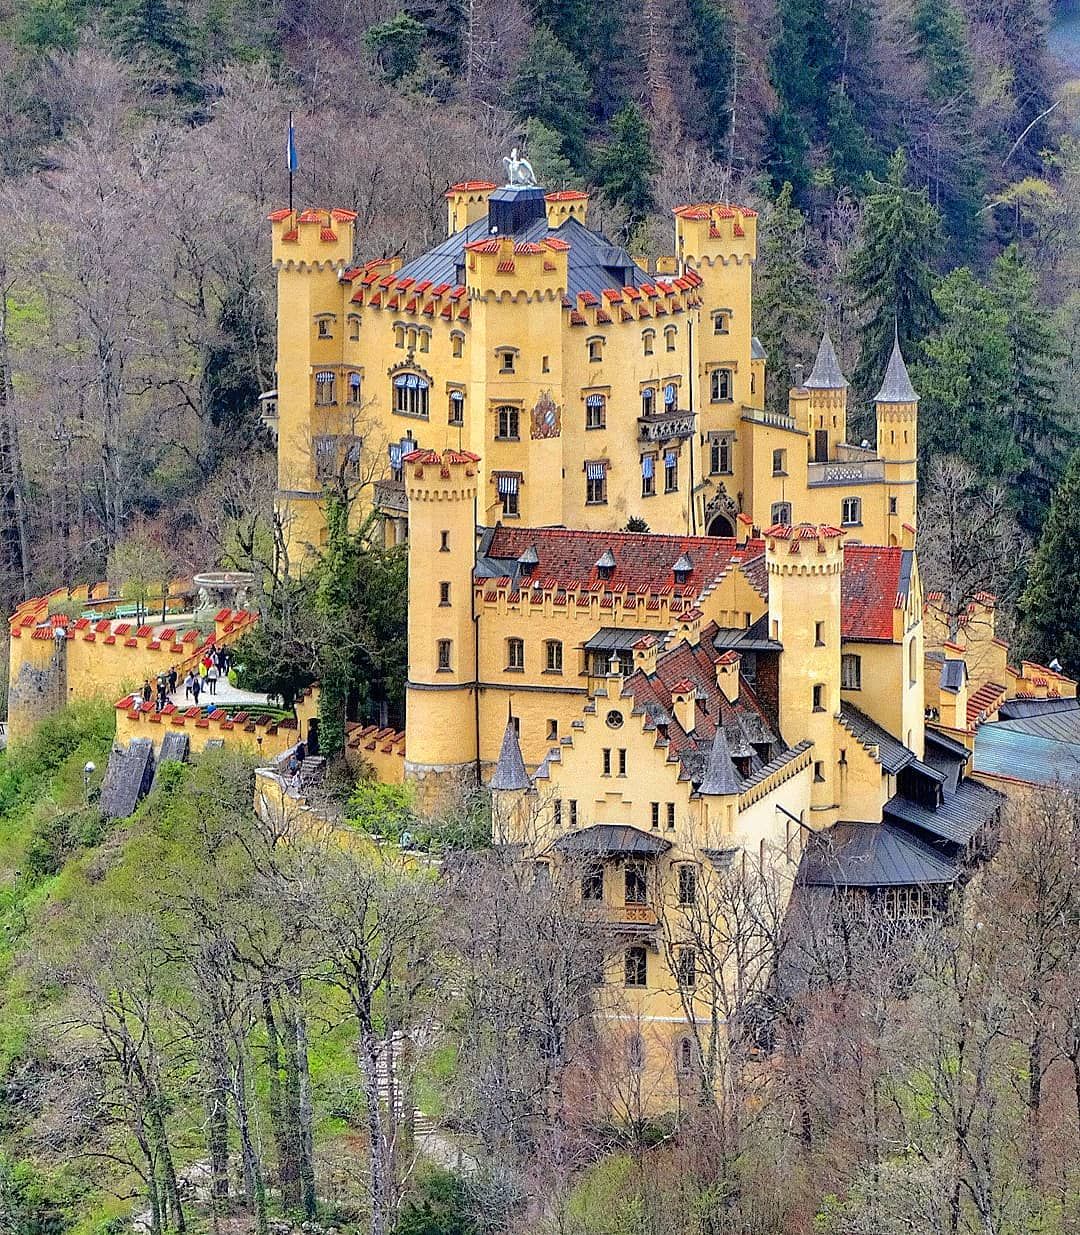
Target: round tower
x=897, y=407
x=440, y=693
x=805, y=564
x=827, y=408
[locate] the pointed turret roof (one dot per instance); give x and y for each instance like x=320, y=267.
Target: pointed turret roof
x=720, y=776
x=896, y=386
x=826, y=374
x=606, y=560
x=510, y=770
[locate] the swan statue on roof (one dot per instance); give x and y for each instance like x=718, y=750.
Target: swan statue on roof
x=519, y=171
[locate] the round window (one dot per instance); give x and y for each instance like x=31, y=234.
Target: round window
x=614, y=719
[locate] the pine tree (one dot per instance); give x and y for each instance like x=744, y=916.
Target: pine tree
x=396, y=44
x=626, y=165
x=707, y=45
x=892, y=271
x=964, y=379
x=785, y=306
x=1050, y=604
x=550, y=86
x=543, y=148
x=157, y=36
x=1043, y=436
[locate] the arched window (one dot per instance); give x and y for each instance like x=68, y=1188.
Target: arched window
x=507, y=423
x=456, y=414
x=425, y=340
x=325, y=384
x=399, y=336
x=720, y=385
x=913, y=661
x=685, y=1057
x=648, y=401
x=410, y=338
x=596, y=350
x=553, y=656
x=354, y=326
x=671, y=397
x=671, y=334
x=780, y=512
x=648, y=342
x=457, y=345
x=411, y=394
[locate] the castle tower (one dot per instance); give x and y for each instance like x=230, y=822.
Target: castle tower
x=310, y=250
x=897, y=407
x=827, y=409
x=509, y=784
x=566, y=204
x=466, y=203
x=440, y=694
x=805, y=564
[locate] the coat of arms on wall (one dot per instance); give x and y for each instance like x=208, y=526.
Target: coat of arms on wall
x=546, y=417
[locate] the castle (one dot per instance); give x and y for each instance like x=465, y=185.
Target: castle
x=757, y=679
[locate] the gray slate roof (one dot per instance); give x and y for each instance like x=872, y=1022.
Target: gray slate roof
x=617, y=638
x=720, y=776
x=959, y=816
x=896, y=386
x=1001, y=749
x=757, y=352
x=826, y=373
x=872, y=855
x=1019, y=709
x=892, y=753
x=612, y=840
x=510, y=770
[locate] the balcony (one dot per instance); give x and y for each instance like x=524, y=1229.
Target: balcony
x=838, y=472
x=390, y=497
x=666, y=426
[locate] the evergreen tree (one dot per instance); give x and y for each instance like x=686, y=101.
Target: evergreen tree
x=625, y=166
x=550, y=86
x=707, y=45
x=396, y=44
x=892, y=270
x=543, y=148
x=1042, y=435
x=1050, y=604
x=964, y=380
x=157, y=36
x=785, y=307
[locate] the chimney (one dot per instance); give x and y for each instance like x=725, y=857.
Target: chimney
x=727, y=675
x=690, y=626
x=645, y=654
x=684, y=705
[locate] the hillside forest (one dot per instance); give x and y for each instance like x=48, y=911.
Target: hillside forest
x=212, y=1023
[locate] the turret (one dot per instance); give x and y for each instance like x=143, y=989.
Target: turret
x=805, y=564
x=566, y=204
x=827, y=409
x=440, y=697
x=465, y=203
x=897, y=407
x=509, y=784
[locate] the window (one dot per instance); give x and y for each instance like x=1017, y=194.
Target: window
x=411, y=395
x=721, y=321
x=457, y=345
x=634, y=883
x=507, y=361
x=410, y=338
x=553, y=656
x=444, y=594
x=819, y=634
x=596, y=350
x=325, y=456
x=685, y=968
x=622, y=762
x=720, y=455
x=552, y=731
x=671, y=397
x=595, y=412
x=648, y=475
x=687, y=884
x=684, y=1056
x=573, y=812
x=456, y=411
x=325, y=328
x=507, y=421
x=670, y=337
x=425, y=340
x=851, y=511
x=444, y=648
x=556, y=812
x=819, y=698
x=399, y=336
x=780, y=512
x=892, y=506
x=545, y=364
x=908, y=903
x=354, y=388
x=592, y=882
x=779, y=462
x=515, y=654
x=508, y=485
x=819, y=772
x=444, y=542
x=720, y=385
x=607, y=761
x=635, y=1052
x=354, y=327
x=648, y=401
x=324, y=388
x=850, y=672
x=671, y=471
x=913, y=661
x=654, y=817
x=648, y=341
x=671, y=816
x=596, y=483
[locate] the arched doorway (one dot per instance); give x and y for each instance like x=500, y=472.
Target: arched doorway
x=720, y=525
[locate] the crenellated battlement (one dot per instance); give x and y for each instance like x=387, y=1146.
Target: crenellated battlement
x=312, y=239
x=805, y=548
x=708, y=233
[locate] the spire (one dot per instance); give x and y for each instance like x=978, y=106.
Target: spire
x=510, y=770
x=720, y=776
x=896, y=386
x=826, y=374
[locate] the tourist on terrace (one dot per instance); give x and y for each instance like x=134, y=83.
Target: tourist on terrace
x=189, y=683
x=147, y=692
x=212, y=673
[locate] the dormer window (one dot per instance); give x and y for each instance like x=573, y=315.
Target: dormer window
x=596, y=350
x=605, y=564
x=529, y=561
x=683, y=569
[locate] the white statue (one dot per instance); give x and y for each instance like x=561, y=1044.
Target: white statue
x=519, y=171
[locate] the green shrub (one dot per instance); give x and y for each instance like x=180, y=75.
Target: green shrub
x=438, y=1205
x=381, y=810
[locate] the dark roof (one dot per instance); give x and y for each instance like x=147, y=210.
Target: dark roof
x=757, y=352
x=611, y=839
x=753, y=638
x=720, y=776
x=953, y=673
x=1017, y=709
x=947, y=744
x=892, y=753
x=593, y=262
x=1002, y=750
x=896, y=386
x=826, y=373
x=510, y=770
x=1063, y=726
x=872, y=855
x=617, y=638
x=957, y=818
x=720, y=859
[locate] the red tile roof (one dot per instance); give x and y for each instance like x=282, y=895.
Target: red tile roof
x=566, y=195
x=985, y=701
x=469, y=186
x=871, y=587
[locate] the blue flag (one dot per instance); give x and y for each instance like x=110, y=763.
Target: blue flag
x=290, y=151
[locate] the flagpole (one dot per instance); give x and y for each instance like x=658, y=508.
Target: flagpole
x=290, y=160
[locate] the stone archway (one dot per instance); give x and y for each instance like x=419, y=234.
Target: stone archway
x=719, y=525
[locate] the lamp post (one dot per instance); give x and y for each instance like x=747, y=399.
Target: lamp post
x=88, y=770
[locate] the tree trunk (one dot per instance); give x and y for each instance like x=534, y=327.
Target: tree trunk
x=306, y=1112
x=290, y=1102
x=217, y=1113
x=253, y=1177
x=378, y=1173
x=276, y=1100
